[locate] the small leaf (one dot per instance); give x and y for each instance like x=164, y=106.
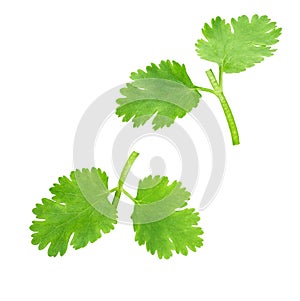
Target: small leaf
x=159, y=224
x=79, y=207
x=165, y=92
x=239, y=45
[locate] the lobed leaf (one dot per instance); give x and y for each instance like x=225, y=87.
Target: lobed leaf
x=159, y=220
x=79, y=209
x=164, y=91
x=239, y=45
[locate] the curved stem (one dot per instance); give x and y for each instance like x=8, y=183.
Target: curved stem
x=227, y=111
x=123, y=177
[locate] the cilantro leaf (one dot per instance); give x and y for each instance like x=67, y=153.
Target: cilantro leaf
x=240, y=45
x=159, y=224
x=165, y=91
x=157, y=199
x=79, y=207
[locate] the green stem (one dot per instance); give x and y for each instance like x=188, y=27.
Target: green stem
x=205, y=89
x=123, y=177
x=218, y=89
x=221, y=77
x=129, y=195
x=213, y=80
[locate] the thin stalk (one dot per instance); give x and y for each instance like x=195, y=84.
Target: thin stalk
x=123, y=177
x=213, y=80
x=221, y=77
x=227, y=111
x=230, y=119
x=129, y=195
x=205, y=89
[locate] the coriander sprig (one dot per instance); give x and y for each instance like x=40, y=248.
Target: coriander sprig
x=166, y=91
x=79, y=212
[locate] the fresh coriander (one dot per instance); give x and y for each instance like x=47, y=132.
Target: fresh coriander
x=167, y=91
x=178, y=231
x=80, y=209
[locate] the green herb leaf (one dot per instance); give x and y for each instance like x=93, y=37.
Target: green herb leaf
x=165, y=91
x=240, y=45
x=159, y=224
x=79, y=207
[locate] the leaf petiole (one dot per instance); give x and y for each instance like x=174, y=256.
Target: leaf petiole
x=205, y=90
x=130, y=196
x=221, y=77
x=113, y=190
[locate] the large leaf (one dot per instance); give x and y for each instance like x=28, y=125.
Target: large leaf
x=79, y=207
x=159, y=220
x=165, y=92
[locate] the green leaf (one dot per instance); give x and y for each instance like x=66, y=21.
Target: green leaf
x=156, y=199
x=164, y=91
x=79, y=207
x=239, y=45
x=159, y=220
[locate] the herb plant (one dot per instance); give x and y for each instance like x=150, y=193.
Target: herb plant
x=165, y=91
x=80, y=211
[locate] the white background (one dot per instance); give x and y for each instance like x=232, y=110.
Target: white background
x=56, y=58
